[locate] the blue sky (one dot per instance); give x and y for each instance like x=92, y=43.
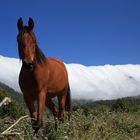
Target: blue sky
x=89, y=32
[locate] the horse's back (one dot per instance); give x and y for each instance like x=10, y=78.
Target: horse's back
x=56, y=68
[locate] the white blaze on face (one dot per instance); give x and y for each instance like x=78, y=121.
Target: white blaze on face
x=28, y=47
x=28, y=61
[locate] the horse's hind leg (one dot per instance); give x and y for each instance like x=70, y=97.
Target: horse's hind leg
x=54, y=110
x=61, y=101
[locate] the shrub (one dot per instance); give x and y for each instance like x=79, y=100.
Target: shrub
x=120, y=105
x=134, y=108
x=13, y=109
x=75, y=107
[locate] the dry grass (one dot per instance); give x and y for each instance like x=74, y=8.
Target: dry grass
x=87, y=123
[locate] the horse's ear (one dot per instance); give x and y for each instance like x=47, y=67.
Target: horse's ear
x=20, y=23
x=30, y=24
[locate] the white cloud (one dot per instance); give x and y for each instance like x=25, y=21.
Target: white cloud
x=93, y=82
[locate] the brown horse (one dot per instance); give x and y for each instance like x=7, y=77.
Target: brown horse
x=41, y=78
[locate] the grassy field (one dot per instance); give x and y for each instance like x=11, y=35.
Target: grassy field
x=104, y=120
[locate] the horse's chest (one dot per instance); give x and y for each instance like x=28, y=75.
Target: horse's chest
x=27, y=82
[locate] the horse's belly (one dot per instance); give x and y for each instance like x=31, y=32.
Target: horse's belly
x=52, y=93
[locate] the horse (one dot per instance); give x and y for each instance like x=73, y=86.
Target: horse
x=41, y=78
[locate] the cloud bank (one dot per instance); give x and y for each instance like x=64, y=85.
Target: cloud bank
x=89, y=83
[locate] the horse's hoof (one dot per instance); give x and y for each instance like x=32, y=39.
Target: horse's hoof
x=36, y=126
x=36, y=129
x=38, y=135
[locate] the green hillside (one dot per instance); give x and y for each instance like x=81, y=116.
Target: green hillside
x=102, y=120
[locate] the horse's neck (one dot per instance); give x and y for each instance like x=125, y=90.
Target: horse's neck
x=40, y=65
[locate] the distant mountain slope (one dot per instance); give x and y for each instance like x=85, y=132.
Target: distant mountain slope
x=10, y=92
x=92, y=83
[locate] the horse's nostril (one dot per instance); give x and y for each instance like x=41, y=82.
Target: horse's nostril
x=29, y=65
x=32, y=63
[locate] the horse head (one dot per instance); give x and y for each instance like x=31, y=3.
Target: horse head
x=26, y=43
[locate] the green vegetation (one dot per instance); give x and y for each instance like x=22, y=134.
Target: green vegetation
x=102, y=120
x=120, y=105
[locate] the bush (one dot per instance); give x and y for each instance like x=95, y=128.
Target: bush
x=75, y=107
x=120, y=105
x=135, y=108
x=13, y=109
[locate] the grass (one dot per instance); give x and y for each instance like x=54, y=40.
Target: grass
x=100, y=122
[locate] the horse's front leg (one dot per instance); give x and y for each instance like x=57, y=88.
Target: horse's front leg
x=30, y=104
x=40, y=111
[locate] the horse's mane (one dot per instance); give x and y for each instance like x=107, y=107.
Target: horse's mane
x=39, y=56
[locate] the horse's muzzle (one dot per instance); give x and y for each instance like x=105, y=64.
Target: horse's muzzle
x=28, y=66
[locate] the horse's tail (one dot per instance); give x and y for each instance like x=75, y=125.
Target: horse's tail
x=68, y=100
